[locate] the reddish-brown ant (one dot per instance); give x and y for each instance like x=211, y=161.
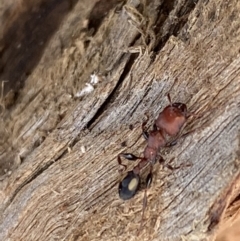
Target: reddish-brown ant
x=168, y=123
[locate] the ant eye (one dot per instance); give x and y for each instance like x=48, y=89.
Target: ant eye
x=129, y=186
x=182, y=107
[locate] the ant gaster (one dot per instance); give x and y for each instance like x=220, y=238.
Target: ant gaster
x=168, y=123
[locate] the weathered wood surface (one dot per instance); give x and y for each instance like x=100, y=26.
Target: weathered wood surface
x=53, y=189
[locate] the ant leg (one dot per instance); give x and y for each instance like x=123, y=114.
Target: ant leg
x=148, y=183
x=172, y=168
x=144, y=132
x=194, y=115
x=188, y=133
x=174, y=142
x=169, y=98
x=140, y=165
x=171, y=143
x=127, y=156
x=162, y=162
x=155, y=127
x=2, y=105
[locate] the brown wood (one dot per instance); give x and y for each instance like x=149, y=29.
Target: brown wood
x=58, y=151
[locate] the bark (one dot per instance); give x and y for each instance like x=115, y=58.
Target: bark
x=59, y=145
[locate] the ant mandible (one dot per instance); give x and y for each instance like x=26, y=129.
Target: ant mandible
x=168, y=123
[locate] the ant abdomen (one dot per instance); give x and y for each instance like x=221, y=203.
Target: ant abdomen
x=129, y=186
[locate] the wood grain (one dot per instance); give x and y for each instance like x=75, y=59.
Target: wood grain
x=62, y=178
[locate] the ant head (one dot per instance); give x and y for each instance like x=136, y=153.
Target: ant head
x=182, y=107
x=129, y=186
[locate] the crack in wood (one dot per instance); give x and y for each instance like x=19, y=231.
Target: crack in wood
x=127, y=68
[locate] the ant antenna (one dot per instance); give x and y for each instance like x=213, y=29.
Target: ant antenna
x=169, y=99
x=1, y=95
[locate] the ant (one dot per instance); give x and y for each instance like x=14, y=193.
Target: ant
x=168, y=123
